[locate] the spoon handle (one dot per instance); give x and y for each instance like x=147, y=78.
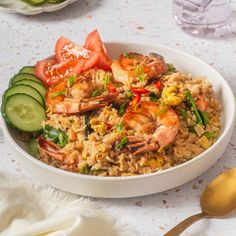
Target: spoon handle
x=179, y=228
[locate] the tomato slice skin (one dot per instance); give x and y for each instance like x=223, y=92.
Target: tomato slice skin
x=94, y=43
x=65, y=49
x=50, y=72
x=139, y=91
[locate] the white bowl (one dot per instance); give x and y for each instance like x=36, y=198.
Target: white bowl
x=132, y=186
x=13, y=6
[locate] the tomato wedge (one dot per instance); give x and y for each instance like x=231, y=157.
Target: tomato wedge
x=51, y=72
x=94, y=43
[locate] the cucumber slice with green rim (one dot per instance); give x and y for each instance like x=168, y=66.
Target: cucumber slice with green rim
x=4, y=116
x=33, y=147
x=41, y=89
x=35, y=2
x=26, y=89
x=24, y=112
x=28, y=70
x=23, y=76
x=55, y=1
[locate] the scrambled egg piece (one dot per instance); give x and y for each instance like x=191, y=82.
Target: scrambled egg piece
x=153, y=162
x=171, y=96
x=205, y=142
x=98, y=126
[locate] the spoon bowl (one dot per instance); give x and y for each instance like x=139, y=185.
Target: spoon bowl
x=218, y=200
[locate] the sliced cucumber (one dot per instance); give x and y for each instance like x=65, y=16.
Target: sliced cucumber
x=35, y=2
x=23, y=76
x=24, y=112
x=28, y=70
x=41, y=89
x=26, y=89
x=55, y=1
x=33, y=147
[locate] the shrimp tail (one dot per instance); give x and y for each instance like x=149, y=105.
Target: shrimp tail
x=71, y=106
x=50, y=148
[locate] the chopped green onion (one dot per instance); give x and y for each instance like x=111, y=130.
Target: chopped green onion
x=128, y=55
x=204, y=116
x=153, y=97
x=122, y=143
x=192, y=130
x=193, y=107
x=96, y=93
x=71, y=80
x=107, y=81
x=140, y=73
x=184, y=114
x=119, y=126
x=58, y=93
x=122, y=109
x=55, y=135
x=170, y=68
x=85, y=170
x=88, y=128
x=162, y=109
x=129, y=94
x=210, y=135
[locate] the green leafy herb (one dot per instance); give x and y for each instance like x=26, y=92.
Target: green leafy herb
x=210, y=135
x=88, y=128
x=107, y=81
x=129, y=94
x=55, y=135
x=140, y=73
x=192, y=130
x=33, y=147
x=96, y=93
x=153, y=97
x=184, y=114
x=162, y=109
x=170, y=68
x=122, y=109
x=58, y=93
x=204, y=116
x=85, y=170
x=71, y=80
x=122, y=143
x=128, y=55
x=193, y=107
x=119, y=126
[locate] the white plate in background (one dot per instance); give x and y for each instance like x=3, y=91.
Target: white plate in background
x=18, y=6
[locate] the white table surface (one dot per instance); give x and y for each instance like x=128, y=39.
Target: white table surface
x=23, y=40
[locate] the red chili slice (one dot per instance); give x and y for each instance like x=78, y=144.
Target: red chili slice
x=158, y=84
x=111, y=88
x=140, y=91
x=135, y=101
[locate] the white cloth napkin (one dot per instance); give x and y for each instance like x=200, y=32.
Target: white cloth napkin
x=29, y=209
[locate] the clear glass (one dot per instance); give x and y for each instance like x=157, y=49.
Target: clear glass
x=203, y=17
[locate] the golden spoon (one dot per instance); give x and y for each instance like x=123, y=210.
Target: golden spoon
x=217, y=200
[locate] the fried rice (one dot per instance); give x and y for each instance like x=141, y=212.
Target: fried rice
x=90, y=146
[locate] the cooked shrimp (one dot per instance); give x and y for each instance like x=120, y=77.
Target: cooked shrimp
x=50, y=148
x=73, y=106
x=133, y=67
x=159, y=121
x=76, y=98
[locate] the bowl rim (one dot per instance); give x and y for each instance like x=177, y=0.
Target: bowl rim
x=227, y=130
